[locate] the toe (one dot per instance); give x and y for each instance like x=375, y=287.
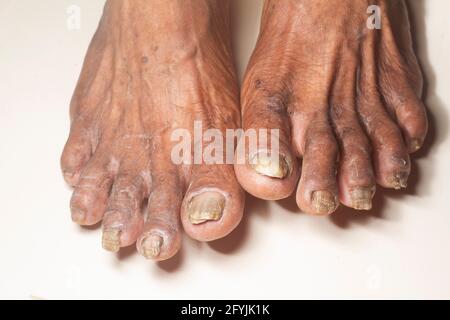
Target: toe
x=405, y=105
x=161, y=237
x=355, y=175
x=317, y=192
x=90, y=196
x=266, y=168
x=214, y=203
x=390, y=154
x=123, y=221
x=401, y=80
x=356, y=178
x=76, y=154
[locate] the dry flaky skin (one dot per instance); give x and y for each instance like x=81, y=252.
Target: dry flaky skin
x=345, y=98
x=152, y=66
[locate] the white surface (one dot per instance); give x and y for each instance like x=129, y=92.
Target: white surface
x=402, y=249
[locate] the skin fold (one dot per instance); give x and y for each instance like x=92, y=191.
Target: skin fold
x=346, y=99
x=152, y=67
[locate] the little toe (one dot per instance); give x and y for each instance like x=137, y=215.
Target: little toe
x=76, y=155
x=407, y=108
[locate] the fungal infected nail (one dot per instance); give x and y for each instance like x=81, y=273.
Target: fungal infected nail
x=264, y=164
x=151, y=246
x=400, y=181
x=362, y=198
x=323, y=202
x=111, y=240
x=415, y=145
x=206, y=206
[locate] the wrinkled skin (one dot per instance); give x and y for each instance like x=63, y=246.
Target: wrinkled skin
x=346, y=99
x=153, y=66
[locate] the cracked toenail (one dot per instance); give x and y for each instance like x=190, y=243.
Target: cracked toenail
x=362, y=198
x=268, y=166
x=151, y=246
x=323, y=202
x=416, y=144
x=206, y=206
x=399, y=181
x=111, y=240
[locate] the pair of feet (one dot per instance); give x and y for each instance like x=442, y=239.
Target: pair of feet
x=345, y=99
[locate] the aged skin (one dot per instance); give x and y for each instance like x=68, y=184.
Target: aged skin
x=153, y=66
x=346, y=98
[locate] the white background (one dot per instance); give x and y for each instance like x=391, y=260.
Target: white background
x=400, y=250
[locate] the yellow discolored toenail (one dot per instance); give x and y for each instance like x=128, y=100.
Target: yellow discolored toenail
x=400, y=181
x=151, y=246
x=362, y=198
x=265, y=165
x=205, y=207
x=78, y=216
x=323, y=202
x=415, y=145
x=111, y=240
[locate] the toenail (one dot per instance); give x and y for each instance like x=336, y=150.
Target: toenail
x=111, y=240
x=68, y=175
x=206, y=206
x=324, y=202
x=399, y=181
x=70, y=178
x=362, y=198
x=415, y=145
x=151, y=246
x=78, y=216
x=264, y=164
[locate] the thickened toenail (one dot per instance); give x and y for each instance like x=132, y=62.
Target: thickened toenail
x=206, y=206
x=362, y=198
x=265, y=165
x=151, y=246
x=399, y=181
x=111, y=240
x=324, y=202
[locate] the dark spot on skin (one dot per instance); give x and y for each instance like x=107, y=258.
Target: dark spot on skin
x=144, y=59
x=155, y=48
x=258, y=84
x=277, y=103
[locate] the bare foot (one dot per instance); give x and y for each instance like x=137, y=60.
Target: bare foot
x=152, y=67
x=345, y=97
